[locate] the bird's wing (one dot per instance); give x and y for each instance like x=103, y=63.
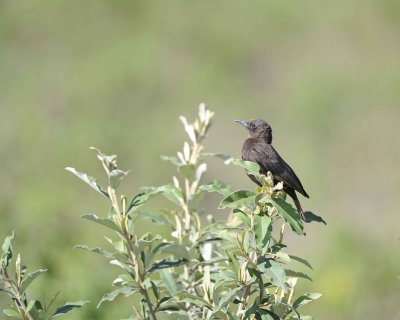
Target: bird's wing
x=269, y=160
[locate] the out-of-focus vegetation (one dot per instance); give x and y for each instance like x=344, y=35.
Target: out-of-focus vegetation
x=14, y=282
x=116, y=74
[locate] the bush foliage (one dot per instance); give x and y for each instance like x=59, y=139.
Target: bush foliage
x=203, y=269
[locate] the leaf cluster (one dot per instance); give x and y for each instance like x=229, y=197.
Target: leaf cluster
x=15, y=287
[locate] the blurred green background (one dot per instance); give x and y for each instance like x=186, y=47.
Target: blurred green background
x=117, y=74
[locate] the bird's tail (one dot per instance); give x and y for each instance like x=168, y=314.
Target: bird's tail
x=296, y=201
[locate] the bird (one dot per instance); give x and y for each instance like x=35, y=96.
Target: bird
x=258, y=148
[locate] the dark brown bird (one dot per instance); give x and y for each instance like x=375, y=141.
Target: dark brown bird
x=257, y=148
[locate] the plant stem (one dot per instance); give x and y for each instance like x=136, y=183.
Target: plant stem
x=245, y=296
x=139, y=275
x=19, y=302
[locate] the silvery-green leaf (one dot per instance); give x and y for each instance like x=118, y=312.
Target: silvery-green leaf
x=174, y=160
x=170, y=191
x=251, y=167
x=291, y=273
x=262, y=231
x=178, y=250
x=310, y=217
x=116, y=177
x=183, y=296
x=109, y=223
x=29, y=279
x=96, y=250
x=217, y=186
x=89, y=180
x=168, y=280
x=30, y=305
x=7, y=249
x=12, y=313
x=287, y=212
x=277, y=274
x=125, y=291
x=242, y=216
x=227, y=297
x=283, y=256
x=238, y=199
x=157, y=217
x=68, y=307
x=306, y=298
x=301, y=260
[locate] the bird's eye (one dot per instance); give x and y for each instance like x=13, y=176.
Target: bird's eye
x=252, y=125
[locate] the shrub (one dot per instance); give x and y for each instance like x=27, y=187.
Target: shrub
x=204, y=269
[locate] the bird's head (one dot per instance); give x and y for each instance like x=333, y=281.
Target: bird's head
x=257, y=128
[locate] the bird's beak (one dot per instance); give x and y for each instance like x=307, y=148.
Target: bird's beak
x=242, y=122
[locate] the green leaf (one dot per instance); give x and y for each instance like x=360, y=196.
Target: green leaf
x=291, y=273
x=7, y=250
x=218, y=186
x=29, y=279
x=227, y=297
x=173, y=194
x=277, y=247
x=30, y=305
x=68, y=307
x=168, y=280
x=306, y=298
x=246, y=240
x=12, y=313
x=95, y=250
x=158, y=218
x=186, y=169
x=292, y=309
x=103, y=221
x=242, y=216
x=287, y=212
x=155, y=290
x=209, y=262
x=183, y=296
x=283, y=256
x=233, y=262
x=146, y=242
x=173, y=315
x=89, y=180
x=250, y=311
x=122, y=280
x=178, y=250
x=301, y=260
x=223, y=156
x=127, y=267
x=116, y=177
x=310, y=217
x=170, y=191
x=109, y=161
x=238, y=199
x=39, y=307
x=277, y=274
x=251, y=167
x=262, y=231
x=125, y=291
x=268, y=315
x=174, y=160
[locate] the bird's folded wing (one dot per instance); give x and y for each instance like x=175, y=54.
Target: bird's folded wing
x=269, y=160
